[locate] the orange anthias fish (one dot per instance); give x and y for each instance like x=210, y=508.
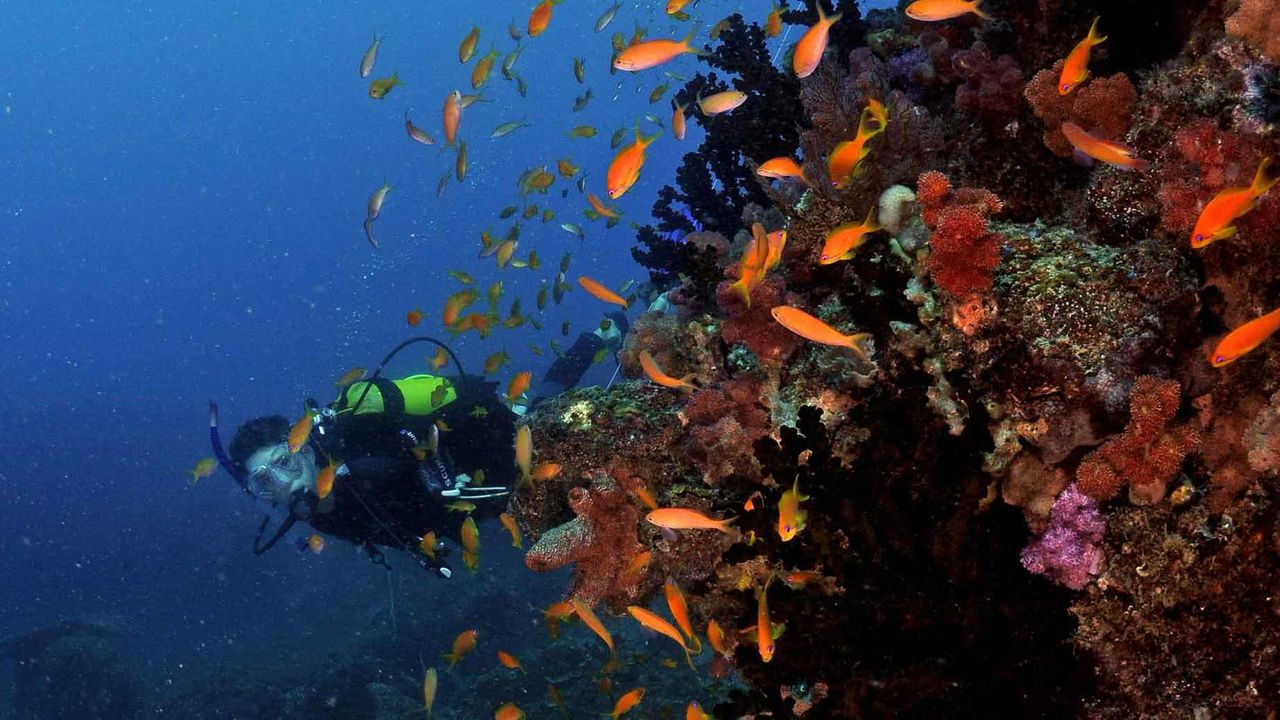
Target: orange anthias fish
x=694, y=711
x=655, y=623
x=604, y=210
x=777, y=242
x=636, y=565
x=687, y=519
x=645, y=497
x=678, y=120
x=715, y=636
x=470, y=543
x=754, y=264
x=349, y=377
x=811, y=328
x=1076, y=69
x=413, y=317
x=508, y=711
x=1111, y=153
x=680, y=611
x=546, y=471
x=600, y=292
x=935, y=10
x=766, y=631
x=846, y=158
x=843, y=240
x=773, y=23
x=590, y=620
x=1245, y=338
x=780, y=167
x=721, y=102
x=813, y=45
x=791, y=519
x=518, y=385
x=652, y=53
x=324, y=482
x=656, y=374
x=625, y=168
x=1229, y=205
x=541, y=17
x=300, y=432
x=315, y=543
x=510, y=662
x=463, y=644
x=509, y=523
x=428, y=545
x=451, y=116
x=626, y=702
x=524, y=451
x=441, y=357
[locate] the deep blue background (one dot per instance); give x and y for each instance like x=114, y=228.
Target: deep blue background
x=181, y=192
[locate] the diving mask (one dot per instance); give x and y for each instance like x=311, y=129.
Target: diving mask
x=276, y=472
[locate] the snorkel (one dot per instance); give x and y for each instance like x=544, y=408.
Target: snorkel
x=221, y=454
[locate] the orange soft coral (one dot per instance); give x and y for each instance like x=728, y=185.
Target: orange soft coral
x=1257, y=22
x=962, y=254
x=1148, y=453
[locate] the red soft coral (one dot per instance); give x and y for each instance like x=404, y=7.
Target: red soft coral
x=1103, y=107
x=1202, y=160
x=1148, y=453
x=962, y=254
x=754, y=326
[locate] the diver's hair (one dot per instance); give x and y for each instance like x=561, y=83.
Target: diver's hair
x=257, y=434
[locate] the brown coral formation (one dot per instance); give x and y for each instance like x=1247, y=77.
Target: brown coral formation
x=1257, y=22
x=600, y=542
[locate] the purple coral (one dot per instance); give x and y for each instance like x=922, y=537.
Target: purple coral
x=1069, y=552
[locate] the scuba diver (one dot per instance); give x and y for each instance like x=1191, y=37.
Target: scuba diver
x=569, y=368
x=411, y=458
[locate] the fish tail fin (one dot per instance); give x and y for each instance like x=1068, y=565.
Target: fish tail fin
x=724, y=525
x=977, y=10
x=740, y=286
x=858, y=343
x=1266, y=177
x=828, y=19
x=870, y=223
x=1093, y=37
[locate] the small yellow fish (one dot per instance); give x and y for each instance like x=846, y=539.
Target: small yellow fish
x=378, y=89
x=524, y=452
x=203, y=468
x=791, y=519
x=468, y=46
x=721, y=102
x=462, y=506
x=315, y=543
x=430, y=682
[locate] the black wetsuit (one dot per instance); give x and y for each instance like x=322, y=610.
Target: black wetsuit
x=391, y=499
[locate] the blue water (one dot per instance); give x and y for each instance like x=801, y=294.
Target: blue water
x=182, y=186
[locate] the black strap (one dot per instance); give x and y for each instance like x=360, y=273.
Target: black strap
x=392, y=398
x=259, y=549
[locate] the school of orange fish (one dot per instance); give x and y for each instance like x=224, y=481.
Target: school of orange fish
x=763, y=253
